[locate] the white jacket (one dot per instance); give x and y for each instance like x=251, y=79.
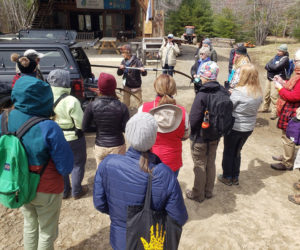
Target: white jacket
x=173, y=52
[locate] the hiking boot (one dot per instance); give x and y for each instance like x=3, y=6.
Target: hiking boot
x=67, y=194
x=190, y=195
x=277, y=158
x=280, y=166
x=226, y=181
x=83, y=192
x=208, y=196
x=235, y=181
x=294, y=198
x=297, y=186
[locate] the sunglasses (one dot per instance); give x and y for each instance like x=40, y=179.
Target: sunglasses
x=201, y=54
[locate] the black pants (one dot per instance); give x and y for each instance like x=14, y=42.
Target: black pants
x=233, y=144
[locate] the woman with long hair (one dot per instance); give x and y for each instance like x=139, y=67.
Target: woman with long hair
x=241, y=58
x=246, y=98
x=173, y=123
x=121, y=180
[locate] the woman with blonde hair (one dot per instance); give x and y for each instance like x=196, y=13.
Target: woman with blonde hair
x=246, y=98
x=173, y=123
x=241, y=58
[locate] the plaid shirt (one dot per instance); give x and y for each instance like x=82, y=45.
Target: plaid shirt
x=288, y=112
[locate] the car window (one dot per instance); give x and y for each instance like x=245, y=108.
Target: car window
x=51, y=59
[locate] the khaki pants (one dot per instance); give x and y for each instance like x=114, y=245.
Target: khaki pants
x=126, y=96
x=288, y=150
x=204, y=156
x=41, y=221
x=270, y=98
x=102, y=152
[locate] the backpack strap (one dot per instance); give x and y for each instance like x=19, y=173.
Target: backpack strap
x=28, y=124
x=4, y=123
x=59, y=99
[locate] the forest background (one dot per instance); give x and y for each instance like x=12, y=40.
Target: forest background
x=242, y=20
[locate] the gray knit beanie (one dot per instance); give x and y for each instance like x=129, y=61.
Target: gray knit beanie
x=59, y=78
x=141, y=131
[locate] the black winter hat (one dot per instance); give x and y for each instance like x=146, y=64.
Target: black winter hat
x=241, y=50
x=26, y=64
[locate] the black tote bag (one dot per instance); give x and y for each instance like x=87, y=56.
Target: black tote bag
x=149, y=229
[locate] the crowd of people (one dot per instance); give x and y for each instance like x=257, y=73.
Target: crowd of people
x=154, y=135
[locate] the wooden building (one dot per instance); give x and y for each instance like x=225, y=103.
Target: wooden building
x=101, y=17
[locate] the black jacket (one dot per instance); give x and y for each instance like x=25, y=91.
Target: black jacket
x=110, y=117
x=133, y=77
x=277, y=66
x=198, y=109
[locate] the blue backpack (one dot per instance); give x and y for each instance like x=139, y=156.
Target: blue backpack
x=290, y=70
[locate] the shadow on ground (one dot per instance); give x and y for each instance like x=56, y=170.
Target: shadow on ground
x=224, y=199
x=95, y=241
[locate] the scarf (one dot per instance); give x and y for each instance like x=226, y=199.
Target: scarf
x=289, y=85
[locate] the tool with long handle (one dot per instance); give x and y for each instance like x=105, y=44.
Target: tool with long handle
x=147, y=69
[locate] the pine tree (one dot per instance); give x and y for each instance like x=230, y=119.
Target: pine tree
x=191, y=12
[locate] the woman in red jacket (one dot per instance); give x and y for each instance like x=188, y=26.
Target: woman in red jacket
x=289, y=101
x=173, y=123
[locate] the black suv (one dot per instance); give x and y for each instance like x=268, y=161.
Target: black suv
x=60, y=52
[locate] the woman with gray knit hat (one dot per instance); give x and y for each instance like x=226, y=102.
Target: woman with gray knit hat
x=121, y=180
x=69, y=115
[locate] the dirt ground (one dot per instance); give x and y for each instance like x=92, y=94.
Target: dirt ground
x=254, y=215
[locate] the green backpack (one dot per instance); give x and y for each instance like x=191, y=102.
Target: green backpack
x=17, y=184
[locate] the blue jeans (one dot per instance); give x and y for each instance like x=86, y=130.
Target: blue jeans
x=170, y=72
x=79, y=151
x=176, y=173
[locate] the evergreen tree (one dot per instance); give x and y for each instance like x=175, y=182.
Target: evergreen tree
x=197, y=13
x=225, y=25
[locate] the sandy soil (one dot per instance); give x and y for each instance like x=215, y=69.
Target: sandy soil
x=254, y=215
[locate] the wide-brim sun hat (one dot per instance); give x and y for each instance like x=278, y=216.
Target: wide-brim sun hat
x=167, y=116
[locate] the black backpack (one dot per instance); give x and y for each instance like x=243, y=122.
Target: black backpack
x=218, y=115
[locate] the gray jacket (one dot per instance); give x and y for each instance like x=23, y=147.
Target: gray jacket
x=245, y=109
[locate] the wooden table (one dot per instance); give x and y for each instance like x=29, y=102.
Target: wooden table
x=108, y=43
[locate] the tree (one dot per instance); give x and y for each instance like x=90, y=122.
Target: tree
x=262, y=14
x=14, y=14
x=225, y=25
x=191, y=12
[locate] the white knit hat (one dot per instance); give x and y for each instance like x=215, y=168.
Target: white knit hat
x=140, y=131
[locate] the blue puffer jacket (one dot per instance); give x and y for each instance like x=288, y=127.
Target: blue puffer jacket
x=44, y=142
x=119, y=182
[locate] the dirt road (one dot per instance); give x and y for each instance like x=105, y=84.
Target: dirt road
x=254, y=215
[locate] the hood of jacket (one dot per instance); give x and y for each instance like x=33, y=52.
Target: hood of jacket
x=59, y=78
x=58, y=91
x=33, y=97
x=210, y=86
